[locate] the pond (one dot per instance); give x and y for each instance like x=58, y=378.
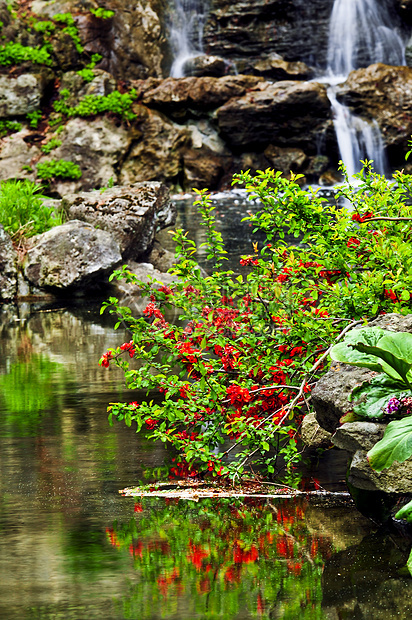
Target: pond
x=72, y=547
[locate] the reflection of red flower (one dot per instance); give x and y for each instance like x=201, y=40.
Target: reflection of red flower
x=240, y=556
x=138, y=508
x=295, y=567
x=196, y=555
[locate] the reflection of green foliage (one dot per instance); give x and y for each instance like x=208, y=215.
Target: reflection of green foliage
x=86, y=553
x=223, y=558
x=28, y=390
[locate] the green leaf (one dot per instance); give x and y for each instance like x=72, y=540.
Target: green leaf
x=395, y=349
x=395, y=445
x=405, y=513
x=342, y=352
x=378, y=391
x=265, y=446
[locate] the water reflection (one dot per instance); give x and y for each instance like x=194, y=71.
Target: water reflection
x=72, y=547
x=227, y=558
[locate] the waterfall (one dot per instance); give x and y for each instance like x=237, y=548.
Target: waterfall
x=361, y=33
x=186, y=32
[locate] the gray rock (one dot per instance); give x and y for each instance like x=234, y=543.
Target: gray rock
x=160, y=258
x=20, y=95
x=312, y=434
x=354, y=436
x=330, y=397
x=73, y=255
x=17, y=157
x=274, y=67
x=132, y=214
x=395, y=479
x=96, y=146
x=8, y=266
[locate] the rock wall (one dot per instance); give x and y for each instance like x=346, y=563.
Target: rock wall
x=194, y=131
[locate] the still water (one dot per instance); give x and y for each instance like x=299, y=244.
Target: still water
x=71, y=547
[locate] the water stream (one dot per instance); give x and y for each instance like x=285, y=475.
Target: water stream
x=362, y=32
x=187, y=20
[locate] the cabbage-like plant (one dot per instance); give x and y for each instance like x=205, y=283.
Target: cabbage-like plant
x=388, y=393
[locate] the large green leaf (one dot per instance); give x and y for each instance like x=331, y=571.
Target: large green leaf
x=405, y=512
x=378, y=391
x=395, y=349
x=409, y=563
x=395, y=445
x=344, y=352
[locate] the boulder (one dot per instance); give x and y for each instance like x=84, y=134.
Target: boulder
x=156, y=154
x=288, y=113
x=131, y=214
x=8, y=266
x=312, y=434
x=20, y=95
x=274, y=67
x=180, y=97
x=383, y=93
x=206, y=65
x=17, y=156
x=96, y=146
x=71, y=256
x=286, y=159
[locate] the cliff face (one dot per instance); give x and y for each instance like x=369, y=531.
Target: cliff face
x=244, y=30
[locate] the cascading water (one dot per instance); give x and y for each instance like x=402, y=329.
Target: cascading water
x=361, y=33
x=186, y=32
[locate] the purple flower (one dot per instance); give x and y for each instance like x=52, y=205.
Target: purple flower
x=393, y=406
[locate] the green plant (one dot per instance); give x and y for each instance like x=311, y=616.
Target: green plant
x=92, y=105
x=87, y=73
x=34, y=118
x=44, y=27
x=54, y=143
x=70, y=29
x=22, y=211
x=60, y=168
x=235, y=373
x=102, y=13
x=110, y=183
x=9, y=127
x=16, y=53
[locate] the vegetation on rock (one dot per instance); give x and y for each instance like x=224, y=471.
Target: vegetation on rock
x=58, y=168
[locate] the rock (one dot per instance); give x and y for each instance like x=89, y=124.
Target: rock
x=102, y=84
x=330, y=401
x=160, y=258
x=71, y=256
x=353, y=436
x=286, y=159
x=17, y=156
x=132, y=214
x=330, y=396
x=180, y=97
x=203, y=169
x=20, y=95
x=284, y=114
x=274, y=67
x=156, y=155
x=312, y=434
x=243, y=30
x=96, y=146
x=383, y=93
x=8, y=269
x=396, y=479
x=205, y=65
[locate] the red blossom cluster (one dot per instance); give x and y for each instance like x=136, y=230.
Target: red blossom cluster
x=356, y=217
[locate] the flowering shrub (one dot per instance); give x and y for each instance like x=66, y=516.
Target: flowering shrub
x=236, y=371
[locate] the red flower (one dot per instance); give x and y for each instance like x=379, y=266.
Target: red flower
x=389, y=294
x=105, y=359
x=356, y=217
x=353, y=242
x=150, y=423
